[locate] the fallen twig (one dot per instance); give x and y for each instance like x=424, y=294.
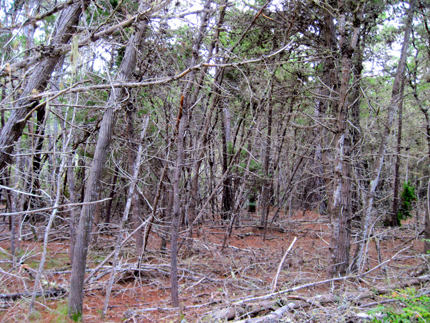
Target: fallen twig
x=275, y=280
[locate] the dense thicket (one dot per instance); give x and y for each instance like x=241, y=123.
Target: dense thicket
x=228, y=107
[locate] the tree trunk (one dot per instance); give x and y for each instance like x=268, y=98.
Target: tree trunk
x=37, y=158
x=326, y=96
x=341, y=207
x=194, y=189
x=427, y=212
x=111, y=195
x=166, y=216
x=58, y=196
x=134, y=169
x=39, y=79
x=355, y=129
x=96, y=217
x=267, y=152
x=395, y=99
x=182, y=120
x=425, y=111
x=138, y=236
x=72, y=199
x=394, y=221
x=76, y=295
x=227, y=197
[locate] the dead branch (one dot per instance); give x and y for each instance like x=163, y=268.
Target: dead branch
x=275, y=280
x=53, y=292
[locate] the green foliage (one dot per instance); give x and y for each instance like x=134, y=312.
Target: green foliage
x=77, y=316
x=409, y=307
x=114, y=3
x=61, y=312
x=407, y=196
x=120, y=55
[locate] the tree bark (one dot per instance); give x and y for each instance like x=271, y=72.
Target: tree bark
x=189, y=102
x=131, y=161
x=227, y=149
x=111, y=195
x=182, y=120
x=326, y=97
x=17, y=120
x=341, y=207
x=58, y=196
x=355, y=129
x=267, y=152
x=394, y=221
x=72, y=199
x=376, y=172
x=76, y=295
x=425, y=111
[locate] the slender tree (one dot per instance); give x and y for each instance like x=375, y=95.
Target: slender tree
x=12, y=130
x=128, y=64
x=377, y=166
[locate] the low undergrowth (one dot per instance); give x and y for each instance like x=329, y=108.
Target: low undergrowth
x=407, y=306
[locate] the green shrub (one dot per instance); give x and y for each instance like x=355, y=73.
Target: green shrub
x=410, y=307
x=407, y=197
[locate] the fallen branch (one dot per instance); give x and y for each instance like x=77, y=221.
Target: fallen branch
x=53, y=292
x=280, y=307
x=275, y=280
x=242, y=307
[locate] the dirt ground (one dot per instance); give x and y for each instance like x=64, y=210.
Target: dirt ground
x=214, y=284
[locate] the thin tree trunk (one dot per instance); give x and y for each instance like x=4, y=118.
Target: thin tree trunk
x=267, y=181
x=39, y=79
x=227, y=149
x=37, y=157
x=427, y=220
x=425, y=111
x=135, y=171
x=58, y=196
x=76, y=294
x=394, y=221
x=327, y=92
x=182, y=120
x=156, y=199
x=131, y=111
x=358, y=262
x=14, y=208
x=72, y=199
x=355, y=129
x=111, y=196
x=240, y=195
x=341, y=207
x=166, y=216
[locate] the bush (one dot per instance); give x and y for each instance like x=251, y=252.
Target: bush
x=410, y=307
x=407, y=197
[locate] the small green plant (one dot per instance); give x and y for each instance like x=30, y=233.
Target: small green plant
x=410, y=307
x=407, y=197
x=61, y=312
x=77, y=316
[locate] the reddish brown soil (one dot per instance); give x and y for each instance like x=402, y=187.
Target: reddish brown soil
x=210, y=278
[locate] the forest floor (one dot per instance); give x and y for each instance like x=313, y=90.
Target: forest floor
x=218, y=285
